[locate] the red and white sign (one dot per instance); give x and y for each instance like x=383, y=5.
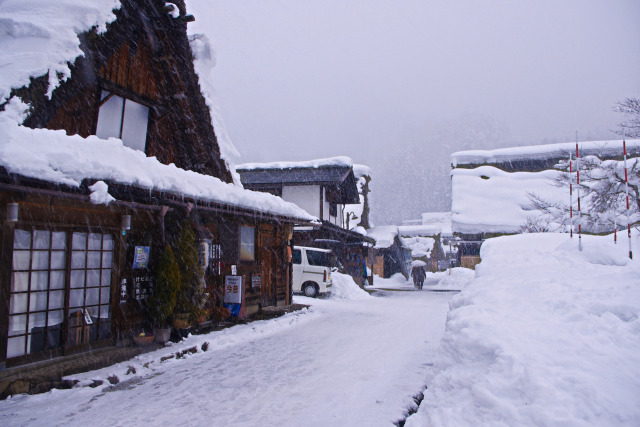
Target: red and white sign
x=233, y=290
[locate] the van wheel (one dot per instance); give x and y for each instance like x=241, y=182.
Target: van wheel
x=311, y=290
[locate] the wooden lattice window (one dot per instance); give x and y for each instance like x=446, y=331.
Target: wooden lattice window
x=49, y=293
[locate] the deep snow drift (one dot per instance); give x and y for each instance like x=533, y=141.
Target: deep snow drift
x=545, y=335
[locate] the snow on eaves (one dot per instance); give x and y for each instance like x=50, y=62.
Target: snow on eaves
x=41, y=36
x=439, y=219
x=420, y=230
x=541, y=152
x=361, y=170
x=55, y=157
x=384, y=235
x=332, y=161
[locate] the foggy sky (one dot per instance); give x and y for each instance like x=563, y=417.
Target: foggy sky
x=400, y=85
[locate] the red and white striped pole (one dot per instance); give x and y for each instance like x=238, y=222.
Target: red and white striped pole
x=626, y=186
x=578, y=188
x=571, y=193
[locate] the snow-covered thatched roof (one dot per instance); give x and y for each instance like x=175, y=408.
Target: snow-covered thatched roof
x=55, y=157
x=489, y=200
x=551, y=152
x=486, y=197
x=40, y=37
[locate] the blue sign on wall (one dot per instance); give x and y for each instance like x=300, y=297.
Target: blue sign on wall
x=141, y=257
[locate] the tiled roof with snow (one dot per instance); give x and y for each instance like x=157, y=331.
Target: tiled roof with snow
x=320, y=175
x=308, y=164
x=543, y=152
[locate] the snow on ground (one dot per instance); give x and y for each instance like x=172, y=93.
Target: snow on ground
x=344, y=287
x=397, y=282
x=545, y=335
x=351, y=359
x=454, y=279
x=440, y=281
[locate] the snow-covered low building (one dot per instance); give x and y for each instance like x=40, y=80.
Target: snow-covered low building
x=107, y=149
x=323, y=188
x=493, y=191
x=390, y=255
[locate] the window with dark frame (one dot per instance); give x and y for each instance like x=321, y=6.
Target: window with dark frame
x=37, y=312
x=247, y=243
x=123, y=118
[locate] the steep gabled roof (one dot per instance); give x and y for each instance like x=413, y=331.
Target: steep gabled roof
x=144, y=55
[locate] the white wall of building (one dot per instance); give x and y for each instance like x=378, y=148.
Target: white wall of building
x=305, y=196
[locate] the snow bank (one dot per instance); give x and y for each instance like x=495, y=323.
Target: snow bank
x=41, y=36
x=455, y=280
x=487, y=199
x=545, y=335
x=55, y=157
x=542, y=152
x=343, y=287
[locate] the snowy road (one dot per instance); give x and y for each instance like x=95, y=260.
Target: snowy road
x=349, y=362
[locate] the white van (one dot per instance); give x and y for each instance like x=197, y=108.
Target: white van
x=311, y=270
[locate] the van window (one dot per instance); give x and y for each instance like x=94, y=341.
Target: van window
x=318, y=258
x=297, y=256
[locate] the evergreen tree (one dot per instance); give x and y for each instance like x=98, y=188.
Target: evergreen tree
x=192, y=297
x=165, y=292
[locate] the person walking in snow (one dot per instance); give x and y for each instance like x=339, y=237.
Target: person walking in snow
x=418, y=274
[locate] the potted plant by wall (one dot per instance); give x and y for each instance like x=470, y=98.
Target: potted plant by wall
x=163, y=300
x=192, y=296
